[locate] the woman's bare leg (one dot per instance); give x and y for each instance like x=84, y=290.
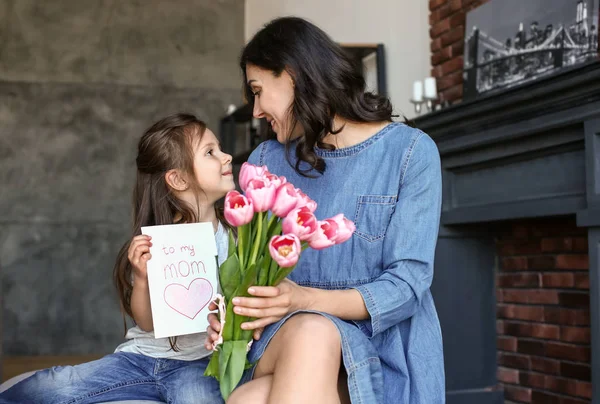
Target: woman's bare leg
x=301, y=364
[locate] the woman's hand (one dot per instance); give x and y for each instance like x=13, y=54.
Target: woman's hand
x=138, y=255
x=212, y=331
x=270, y=304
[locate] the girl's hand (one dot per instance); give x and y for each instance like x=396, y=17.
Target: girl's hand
x=271, y=304
x=139, y=254
x=212, y=331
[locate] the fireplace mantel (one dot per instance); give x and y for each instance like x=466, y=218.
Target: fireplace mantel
x=525, y=152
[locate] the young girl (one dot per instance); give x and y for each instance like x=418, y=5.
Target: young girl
x=181, y=173
x=355, y=322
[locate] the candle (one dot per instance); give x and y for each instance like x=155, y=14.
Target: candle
x=430, y=88
x=417, y=91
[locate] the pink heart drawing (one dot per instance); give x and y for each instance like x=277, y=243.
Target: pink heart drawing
x=191, y=300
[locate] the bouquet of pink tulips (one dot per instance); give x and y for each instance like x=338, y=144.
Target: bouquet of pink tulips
x=275, y=223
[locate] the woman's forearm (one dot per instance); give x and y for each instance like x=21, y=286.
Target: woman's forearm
x=140, y=305
x=345, y=304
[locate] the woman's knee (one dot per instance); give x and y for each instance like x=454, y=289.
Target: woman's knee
x=313, y=329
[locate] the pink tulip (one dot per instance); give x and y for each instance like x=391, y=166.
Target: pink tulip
x=262, y=193
x=345, y=228
x=325, y=235
x=286, y=199
x=301, y=222
x=249, y=172
x=285, y=250
x=275, y=180
x=238, y=209
x=306, y=201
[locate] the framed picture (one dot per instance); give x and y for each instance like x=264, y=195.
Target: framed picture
x=510, y=42
x=371, y=59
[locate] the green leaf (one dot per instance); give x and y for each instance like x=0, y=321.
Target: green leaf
x=232, y=364
x=213, y=366
x=231, y=246
x=228, y=329
x=230, y=276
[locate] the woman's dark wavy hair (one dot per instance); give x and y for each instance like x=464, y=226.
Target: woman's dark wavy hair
x=326, y=83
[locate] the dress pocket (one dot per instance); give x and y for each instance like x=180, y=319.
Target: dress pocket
x=372, y=216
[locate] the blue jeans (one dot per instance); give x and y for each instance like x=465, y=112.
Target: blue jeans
x=120, y=376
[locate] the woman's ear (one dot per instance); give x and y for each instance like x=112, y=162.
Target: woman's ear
x=176, y=180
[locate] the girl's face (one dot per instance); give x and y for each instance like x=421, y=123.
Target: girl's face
x=273, y=98
x=212, y=167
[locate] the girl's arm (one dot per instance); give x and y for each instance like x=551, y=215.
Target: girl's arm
x=138, y=255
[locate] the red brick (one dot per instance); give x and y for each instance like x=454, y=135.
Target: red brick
x=544, y=365
x=455, y=34
x=572, y=261
x=457, y=20
x=455, y=5
x=453, y=94
x=542, y=397
x=534, y=296
x=519, y=394
x=569, y=400
x=558, y=280
x=514, y=263
x=439, y=28
x=558, y=315
x=433, y=4
x=436, y=45
x=441, y=56
x=499, y=296
x=531, y=347
x=499, y=327
x=518, y=312
x=530, y=379
x=575, y=334
x=520, y=231
x=439, y=14
x=514, y=360
x=575, y=353
x=569, y=386
x=450, y=80
x=563, y=244
x=574, y=299
x=452, y=65
x=580, y=244
x=512, y=247
x=543, y=262
x=518, y=280
x=533, y=330
x=576, y=371
x=582, y=280
x=506, y=375
x=506, y=343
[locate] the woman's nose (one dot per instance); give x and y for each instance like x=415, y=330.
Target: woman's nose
x=257, y=112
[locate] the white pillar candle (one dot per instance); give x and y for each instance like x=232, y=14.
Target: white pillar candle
x=417, y=91
x=430, y=88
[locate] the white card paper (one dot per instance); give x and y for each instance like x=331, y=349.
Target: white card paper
x=182, y=277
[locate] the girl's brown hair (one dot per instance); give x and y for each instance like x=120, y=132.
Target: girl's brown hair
x=166, y=145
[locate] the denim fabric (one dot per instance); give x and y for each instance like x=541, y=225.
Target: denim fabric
x=120, y=376
x=390, y=186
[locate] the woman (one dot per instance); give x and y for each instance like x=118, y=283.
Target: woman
x=355, y=322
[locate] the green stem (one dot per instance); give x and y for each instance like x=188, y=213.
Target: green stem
x=257, y=239
x=241, y=242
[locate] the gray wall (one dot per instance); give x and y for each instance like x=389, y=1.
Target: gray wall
x=79, y=82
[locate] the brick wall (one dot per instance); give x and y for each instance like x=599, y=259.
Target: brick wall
x=543, y=312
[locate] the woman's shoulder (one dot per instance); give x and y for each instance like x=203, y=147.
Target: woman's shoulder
x=401, y=136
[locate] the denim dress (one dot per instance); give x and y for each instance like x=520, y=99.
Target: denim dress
x=390, y=186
